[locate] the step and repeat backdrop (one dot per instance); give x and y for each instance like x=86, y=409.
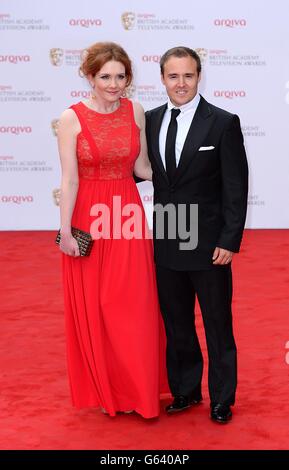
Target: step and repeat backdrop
x=244, y=48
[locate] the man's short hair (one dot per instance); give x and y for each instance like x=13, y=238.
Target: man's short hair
x=180, y=51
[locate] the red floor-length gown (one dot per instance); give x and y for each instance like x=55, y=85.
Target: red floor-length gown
x=111, y=307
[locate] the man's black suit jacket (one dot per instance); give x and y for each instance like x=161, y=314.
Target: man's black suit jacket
x=215, y=179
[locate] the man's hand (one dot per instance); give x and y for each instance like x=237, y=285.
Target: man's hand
x=222, y=256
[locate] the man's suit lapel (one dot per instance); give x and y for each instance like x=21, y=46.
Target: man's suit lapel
x=198, y=130
x=155, y=132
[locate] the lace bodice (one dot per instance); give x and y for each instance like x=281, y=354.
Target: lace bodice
x=108, y=144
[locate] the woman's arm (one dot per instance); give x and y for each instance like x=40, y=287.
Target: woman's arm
x=68, y=129
x=142, y=167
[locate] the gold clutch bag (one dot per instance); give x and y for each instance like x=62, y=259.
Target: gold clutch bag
x=84, y=240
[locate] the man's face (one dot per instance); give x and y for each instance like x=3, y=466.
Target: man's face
x=181, y=79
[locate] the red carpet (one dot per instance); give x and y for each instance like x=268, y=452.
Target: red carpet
x=35, y=403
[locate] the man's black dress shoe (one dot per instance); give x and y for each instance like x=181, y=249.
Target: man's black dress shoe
x=182, y=403
x=221, y=413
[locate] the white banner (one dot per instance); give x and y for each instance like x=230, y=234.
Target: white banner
x=244, y=48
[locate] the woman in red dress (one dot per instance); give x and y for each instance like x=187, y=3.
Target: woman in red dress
x=111, y=306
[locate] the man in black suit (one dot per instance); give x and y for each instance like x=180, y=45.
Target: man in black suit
x=198, y=160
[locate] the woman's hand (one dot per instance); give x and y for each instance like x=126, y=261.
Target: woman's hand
x=68, y=245
x=68, y=128
x=142, y=166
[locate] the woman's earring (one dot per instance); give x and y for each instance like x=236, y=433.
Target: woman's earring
x=92, y=95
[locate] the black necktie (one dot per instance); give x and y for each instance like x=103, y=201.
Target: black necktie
x=170, y=151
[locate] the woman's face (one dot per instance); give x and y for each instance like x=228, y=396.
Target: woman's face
x=110, y=82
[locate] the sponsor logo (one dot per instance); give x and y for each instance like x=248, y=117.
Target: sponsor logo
x=54, y=126
x=152, y=94
x=151, y=58
x=230, y=23
x=202, y=53
x=130, y=91
x=80, y=93
x=148, y=198
x=56, y=56
x=253, y=131
x=5, y=88
x=10, y=94
x=253, y=200
x=128, y=20
x=85, y=23
x=10, y=164
x=16, y=199
x=56, y=196
x=230, y=94
x=222, y=57
x=7, y=22
x=15, y=130
x=6, y=157
x=151, y=22
x=15, y=59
